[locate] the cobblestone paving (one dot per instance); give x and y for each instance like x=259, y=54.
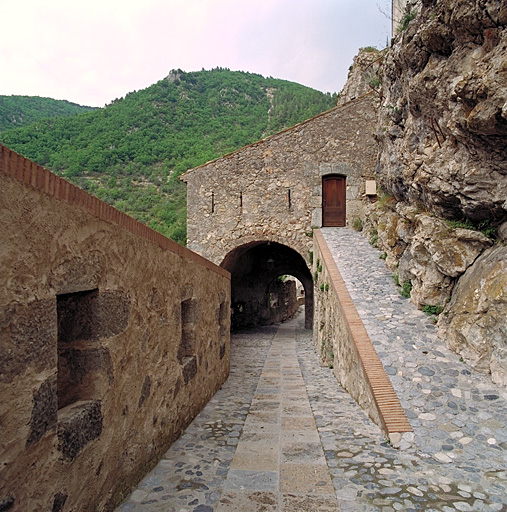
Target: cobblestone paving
x=191, y=476
x=281, y=435
x=459, y=417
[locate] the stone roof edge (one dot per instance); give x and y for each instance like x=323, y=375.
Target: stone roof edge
x=261, y=141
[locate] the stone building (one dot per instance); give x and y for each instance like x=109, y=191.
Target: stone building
x=252, y=212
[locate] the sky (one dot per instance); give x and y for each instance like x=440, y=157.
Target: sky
x=94, y=51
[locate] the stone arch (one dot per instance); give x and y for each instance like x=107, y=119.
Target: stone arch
x=302, y=245
x=253, y=267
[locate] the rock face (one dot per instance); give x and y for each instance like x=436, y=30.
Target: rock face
x=442, y=133
x=437, y=254
x=443, y=120
x=457, y=268
x=474, y=322
x=363, y=75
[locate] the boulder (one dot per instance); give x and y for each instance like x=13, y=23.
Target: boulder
x=389, y=228
x=452, y=250
x=437, y=254
x=474, y=322
x=429, y=285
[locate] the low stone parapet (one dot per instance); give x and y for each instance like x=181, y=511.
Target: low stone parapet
x=343, y=343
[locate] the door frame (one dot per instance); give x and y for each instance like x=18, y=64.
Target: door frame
x=343, y=197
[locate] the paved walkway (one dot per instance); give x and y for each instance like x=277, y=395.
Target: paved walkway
x=281, y=435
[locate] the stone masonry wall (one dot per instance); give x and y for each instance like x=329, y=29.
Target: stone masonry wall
x=272, y=190
x=113, y=339
x=333, y=342
x=341, y=340
x=283, y=300
x=398, y=10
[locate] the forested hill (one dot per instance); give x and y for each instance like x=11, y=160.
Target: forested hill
x=16, y=111
x=131, y=152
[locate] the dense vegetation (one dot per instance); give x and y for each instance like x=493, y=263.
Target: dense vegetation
x=17, y=111
x=131, y=152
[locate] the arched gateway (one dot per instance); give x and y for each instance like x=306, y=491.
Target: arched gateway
x=256, y=269
x=253, y=211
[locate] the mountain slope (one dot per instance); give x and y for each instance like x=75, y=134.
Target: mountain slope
x=131, y=152
x=17, y=111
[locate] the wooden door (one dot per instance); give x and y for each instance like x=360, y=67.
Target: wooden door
x=333, y=201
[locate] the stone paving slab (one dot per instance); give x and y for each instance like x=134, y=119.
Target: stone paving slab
x=191, y=476
x=269, y=459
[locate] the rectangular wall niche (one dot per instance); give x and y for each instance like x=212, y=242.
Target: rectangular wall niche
x=188, y=321
x=77, y=327
x=223, y=313
x=186, y=351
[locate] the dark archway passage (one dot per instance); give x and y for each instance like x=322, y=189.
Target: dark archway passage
x=254, y=267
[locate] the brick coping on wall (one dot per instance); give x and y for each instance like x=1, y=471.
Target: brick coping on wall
x=388, y=405
x=37, y=177
x=183, y=177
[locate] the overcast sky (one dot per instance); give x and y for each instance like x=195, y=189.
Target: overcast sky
x=91, y=52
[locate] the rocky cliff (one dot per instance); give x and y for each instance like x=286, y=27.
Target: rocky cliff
x=443, y=120
x=442, y=166
x=363, y=75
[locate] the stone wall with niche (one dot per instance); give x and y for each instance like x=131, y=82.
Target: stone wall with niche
x=113, y=339
x=272, y=190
